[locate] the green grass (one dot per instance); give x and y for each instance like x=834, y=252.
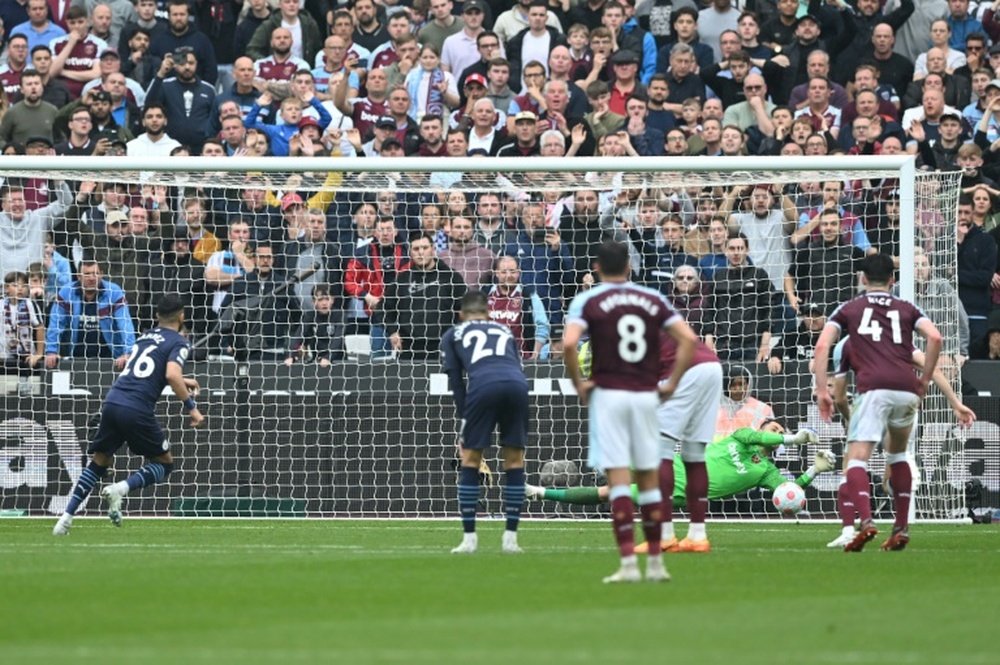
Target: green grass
x=192, y=592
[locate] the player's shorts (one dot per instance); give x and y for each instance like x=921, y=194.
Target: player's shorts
x=875, y=410
x=121, y=425
x=504, y=405
x=623, y=430
x=690, y=415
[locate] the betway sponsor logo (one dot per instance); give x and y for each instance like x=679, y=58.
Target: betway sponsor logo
x=734, y=455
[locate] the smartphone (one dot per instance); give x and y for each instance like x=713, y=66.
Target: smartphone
x=363, y=63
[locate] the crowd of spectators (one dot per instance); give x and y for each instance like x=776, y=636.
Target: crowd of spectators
x=288, y=267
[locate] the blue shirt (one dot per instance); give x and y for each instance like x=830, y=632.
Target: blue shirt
x=35, y=38
x=145, y=374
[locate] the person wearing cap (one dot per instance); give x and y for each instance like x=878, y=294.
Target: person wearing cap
x=384, y=129
x=533, y=43
x=75, y=56
x=189, y=102
x=625, y=66
x=474, y=90
x=55, y=91
x=459, y=51
x=940, y=155
x=110, y=63
x=525, y=139
x=31, y=116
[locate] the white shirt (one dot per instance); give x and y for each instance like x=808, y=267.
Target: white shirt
x=296, y=30
x=141, y=146
x=484, y=143
x=955, y=59
x=536, y=48
x=767, y=244
x=458, y=52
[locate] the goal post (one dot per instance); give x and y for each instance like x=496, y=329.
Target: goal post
x=319, y=409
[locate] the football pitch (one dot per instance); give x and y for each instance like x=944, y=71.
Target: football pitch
x=191, y=592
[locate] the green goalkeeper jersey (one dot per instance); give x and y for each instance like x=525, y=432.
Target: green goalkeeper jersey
x=736, y=464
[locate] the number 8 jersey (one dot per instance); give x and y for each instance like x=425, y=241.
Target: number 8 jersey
x=881, y=327
x=144, y=377
x=623, y=321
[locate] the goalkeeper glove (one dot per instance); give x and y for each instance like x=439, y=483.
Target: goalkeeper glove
x=824, y=461
x=802, y=436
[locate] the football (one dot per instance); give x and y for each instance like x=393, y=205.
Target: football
x=789, y=498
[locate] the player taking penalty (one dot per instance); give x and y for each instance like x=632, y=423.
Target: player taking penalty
x=496, y=397
x=881, y=328
x=624, y=321
x=128, y=414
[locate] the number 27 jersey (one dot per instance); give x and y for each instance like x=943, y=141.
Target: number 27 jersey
x=144, y=377
x=485, y=350
x=624, y=321
x=881, y=349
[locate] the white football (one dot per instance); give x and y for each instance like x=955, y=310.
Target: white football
x=789, y=498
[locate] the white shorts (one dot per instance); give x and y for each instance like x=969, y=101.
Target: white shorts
x=623, y=430
x=876, y=410
x=689, y=416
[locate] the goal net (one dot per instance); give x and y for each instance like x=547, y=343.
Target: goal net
x=317, y=291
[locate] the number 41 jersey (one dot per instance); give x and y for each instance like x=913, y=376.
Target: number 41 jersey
x=145, y=374
x=881, y=330
x=624, y=322
x=485, y=350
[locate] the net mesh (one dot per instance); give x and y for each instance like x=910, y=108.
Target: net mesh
x=315, y=323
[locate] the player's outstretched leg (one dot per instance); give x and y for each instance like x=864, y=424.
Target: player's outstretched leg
x=622, y=511
x=846, y=509
x=902, y=483
x=468, y=498
x=513, y=499
x=858, y=488
x=696, y=494
x=84, y=486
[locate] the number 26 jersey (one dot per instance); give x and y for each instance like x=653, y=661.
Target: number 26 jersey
x=144, y=376
x=624, y=321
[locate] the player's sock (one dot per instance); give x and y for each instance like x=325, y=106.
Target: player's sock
x=845, y=506
x=513, y=497
x=667, y=495
x=651, y=509
x=468, y=496
x=583, y=496
x=859, y=488
x=622, y=511
x=148, y=474
x=697, y=498
x=902, y=483
x=84, y=486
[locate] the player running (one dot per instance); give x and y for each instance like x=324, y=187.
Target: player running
x=497, y=395
x=841, y=363
x=735, y=464
x=624, y=321
x=128, y=414
x=881, y=328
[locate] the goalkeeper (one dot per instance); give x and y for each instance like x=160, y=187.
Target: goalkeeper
x=737, y=463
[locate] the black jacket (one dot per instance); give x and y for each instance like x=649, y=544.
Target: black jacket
x=421, y=305
x=977, y=262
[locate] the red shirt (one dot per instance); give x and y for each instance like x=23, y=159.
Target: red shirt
x=81, y=59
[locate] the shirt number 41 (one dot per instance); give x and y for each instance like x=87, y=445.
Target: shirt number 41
x=873, y=329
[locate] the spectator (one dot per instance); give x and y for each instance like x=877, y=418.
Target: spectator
x=281, y=64
x=38, y=29
x=799, y=346
x=432, y=90
x=715, y=259
x=228, y=266
x=818, y=66
x=264, y=297
x=242, y=91
x=22, y=335
x=498, y=91
x=17, y=62
x=852, y=231
x=181, y=32
x=388, y=54
x=76, y=55
x=894, y=69
x=333, y=68
x=684, y=24
x=465, y=256
x=687, y=297
x=376, y=260
x=31, y=116
x=824, y=272
x=962, y=23
x=202, y=242
x=460, y=50
x=78, y=141
x=601, y=120
x=364, y=111
x=90, y=319
x=144, y=17
x=155, y=142
x=525, y=143
x=176, y=271
x=519, y=308
x=535, y=42
x=766, y=225
x=738, y=322
x=291, y=114
x=422, y=303
x=443, y=25
x=977, y=263
x=320, y=336
x=312, y=256
x=188, y=102
x=516, y=19
x=54, y=91
x=432, y=137
x=490, y=232
x=546, y=264
x=989, y=347
x=739, y=408
x=22, y=231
